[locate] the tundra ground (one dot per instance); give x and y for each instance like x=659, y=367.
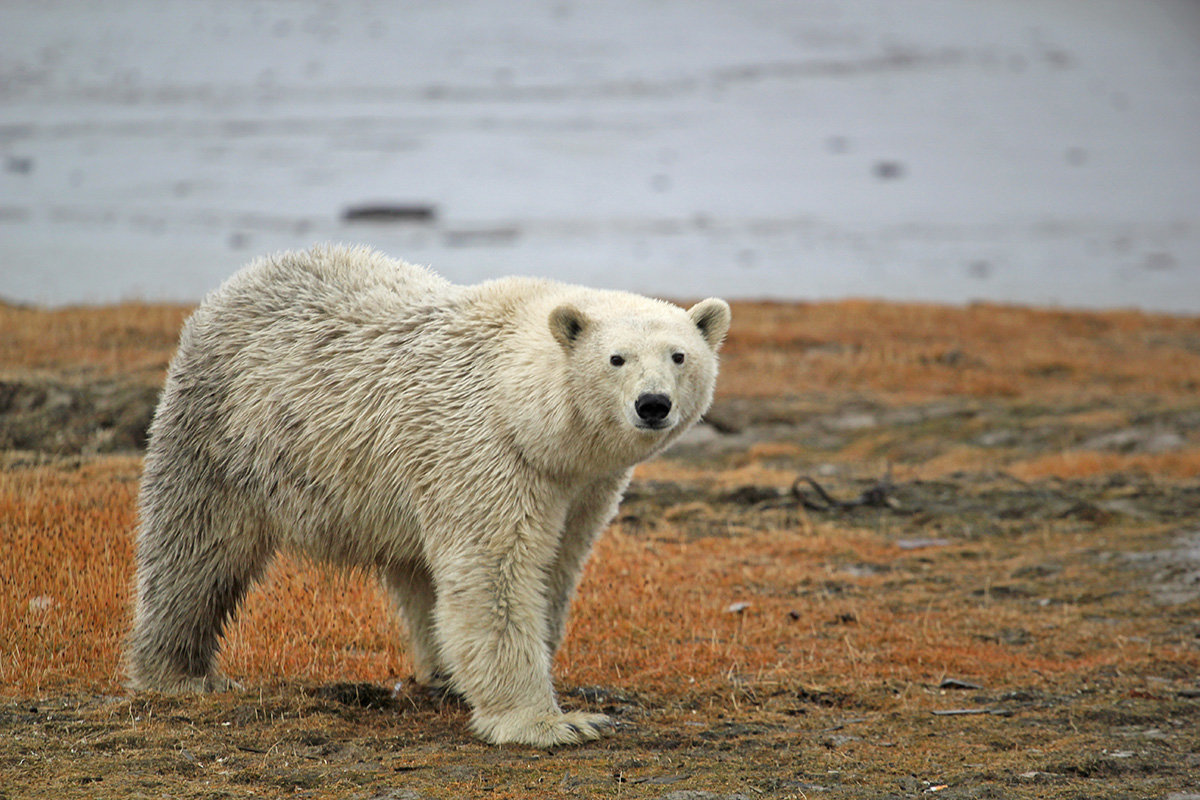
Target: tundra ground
x=916, y=551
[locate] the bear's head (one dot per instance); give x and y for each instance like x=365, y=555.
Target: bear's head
x=640, y=371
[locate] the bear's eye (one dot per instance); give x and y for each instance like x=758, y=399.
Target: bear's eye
x=677, y=358
x=616, y=361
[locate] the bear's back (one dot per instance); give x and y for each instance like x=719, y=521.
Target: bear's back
x=355, y=284
x=312, y=345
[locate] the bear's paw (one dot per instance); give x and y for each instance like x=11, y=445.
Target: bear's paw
x=542, y=730
x=186, y=684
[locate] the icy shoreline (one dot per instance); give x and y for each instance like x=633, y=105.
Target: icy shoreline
x=1010, y=152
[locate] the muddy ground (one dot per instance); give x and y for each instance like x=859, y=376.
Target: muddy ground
x=1047, y=569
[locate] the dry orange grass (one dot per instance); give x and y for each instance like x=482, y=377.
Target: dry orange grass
x=657, y=615
x=909, y=352
x=131, y=339
x=67, y=553
x=1183, y=465
x=652, y=614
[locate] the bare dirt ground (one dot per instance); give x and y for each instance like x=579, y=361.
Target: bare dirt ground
x=914, y=552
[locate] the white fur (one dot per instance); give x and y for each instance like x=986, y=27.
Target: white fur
x=467, y=443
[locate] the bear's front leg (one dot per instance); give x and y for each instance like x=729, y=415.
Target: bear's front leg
x=491, y=625
x=592, y=509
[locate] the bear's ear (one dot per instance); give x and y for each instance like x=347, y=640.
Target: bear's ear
x=712, y=317
x=567, y=324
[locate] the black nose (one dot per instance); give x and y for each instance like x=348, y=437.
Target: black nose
x=653, y=407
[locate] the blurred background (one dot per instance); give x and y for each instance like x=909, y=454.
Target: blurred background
x=1029, y=151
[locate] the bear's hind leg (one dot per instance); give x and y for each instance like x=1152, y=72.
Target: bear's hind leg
x=412, y=591
x=191, y=576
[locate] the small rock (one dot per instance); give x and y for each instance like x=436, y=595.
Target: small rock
x=836, y=740
x=889, y=170
x=1136, y=440
x=852, y=421
x=919, y=544
x=391, y=212
x=40, y=604
x=19, y=165
x=997, y=438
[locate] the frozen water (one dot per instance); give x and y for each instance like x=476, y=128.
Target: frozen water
x=1044, y=151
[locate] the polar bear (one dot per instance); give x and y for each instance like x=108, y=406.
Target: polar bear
x=465, y=443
